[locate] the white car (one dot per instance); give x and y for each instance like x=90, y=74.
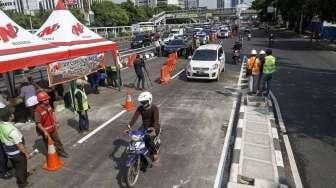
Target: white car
x=207, y=62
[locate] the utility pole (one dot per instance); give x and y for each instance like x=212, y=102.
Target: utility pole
x=301, y=20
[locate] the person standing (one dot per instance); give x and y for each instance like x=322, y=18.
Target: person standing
x=261, y=57
x=4, y=169
x=253, y=69
x=139, y=65
x=157, y=47
x=13, y=145
x=28, y=93
x=269, y=69
x=46, y=123
x=82, y=106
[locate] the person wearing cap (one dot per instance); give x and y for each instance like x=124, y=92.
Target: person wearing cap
x=81, y=106
x=13, y=145
x=253, y=70
x=46, y=123
x=269, y=69
x=4, y=169
x=261, y=57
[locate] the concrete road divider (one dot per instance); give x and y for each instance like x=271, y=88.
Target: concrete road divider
x=168, y=68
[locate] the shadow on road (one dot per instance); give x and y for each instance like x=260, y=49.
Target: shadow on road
x=119, y=156
x=293, y=45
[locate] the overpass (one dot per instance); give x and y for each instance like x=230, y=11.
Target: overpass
x=201, y=14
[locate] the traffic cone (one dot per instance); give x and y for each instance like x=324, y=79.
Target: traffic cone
x=53, y=163
x=129, y=105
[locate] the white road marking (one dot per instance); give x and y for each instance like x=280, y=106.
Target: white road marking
x=278, y=158
x=292, y=163
x=225, y=149
x=275, y=133
x=100, y=127
x=173, y=77
x=237, y=144
x=234, y=171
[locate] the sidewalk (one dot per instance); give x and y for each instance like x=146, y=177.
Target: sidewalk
x=257, y=158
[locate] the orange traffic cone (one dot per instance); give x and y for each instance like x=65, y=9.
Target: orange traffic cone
x=129, y=105
x=53, y=162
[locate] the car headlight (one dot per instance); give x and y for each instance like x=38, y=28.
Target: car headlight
x=215, y=66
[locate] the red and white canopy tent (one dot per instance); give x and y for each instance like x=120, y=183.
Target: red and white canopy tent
x=88, y=51
x=20, y=49
x=63, y=29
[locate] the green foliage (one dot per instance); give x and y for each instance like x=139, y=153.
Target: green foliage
x=109, y=14
x=106, y=13
x=291, y=9
x=78, y=14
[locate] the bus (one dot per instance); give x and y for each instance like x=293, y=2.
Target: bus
x=143, y=27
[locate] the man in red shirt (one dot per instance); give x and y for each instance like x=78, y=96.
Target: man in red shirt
x=46, y=123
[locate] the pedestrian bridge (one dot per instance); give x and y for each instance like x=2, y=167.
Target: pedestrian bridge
x=201, y=14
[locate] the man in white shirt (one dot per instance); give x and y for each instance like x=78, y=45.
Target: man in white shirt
x=28, y=93
x=13, y=145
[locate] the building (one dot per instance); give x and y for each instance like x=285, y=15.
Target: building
x=209, y=4
x=192, y=4
x=152, y=3
x=27, y=6
x=180, y=3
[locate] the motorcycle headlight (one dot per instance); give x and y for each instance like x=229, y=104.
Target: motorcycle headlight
x=135, y=138
x=215, y=66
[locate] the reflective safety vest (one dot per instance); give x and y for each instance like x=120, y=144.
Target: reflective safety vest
x=10, y=148
x=269, y=65
x=47, y=117
x=84, y=100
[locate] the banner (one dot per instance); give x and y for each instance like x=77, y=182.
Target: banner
x=71, y=69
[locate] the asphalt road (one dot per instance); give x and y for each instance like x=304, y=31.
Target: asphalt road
x=305, y=88
x=193, y=116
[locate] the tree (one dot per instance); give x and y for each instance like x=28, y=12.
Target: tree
x=78, y=14
x=291, y=10
x=109, y=14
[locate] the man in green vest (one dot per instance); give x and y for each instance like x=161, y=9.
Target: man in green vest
x=269, y=69
x=13, y=141
x=82, y=106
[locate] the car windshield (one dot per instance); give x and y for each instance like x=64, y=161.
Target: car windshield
x=139, y=37
x=205, y=55
x=176, y=42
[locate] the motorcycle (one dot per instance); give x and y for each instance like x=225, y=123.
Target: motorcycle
x=236, y=56
x=138, y=155
x=271, y=40
x=249, y=36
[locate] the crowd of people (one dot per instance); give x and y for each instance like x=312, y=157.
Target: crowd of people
x=260, y=70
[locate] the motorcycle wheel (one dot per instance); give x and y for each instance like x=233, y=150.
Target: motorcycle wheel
x=133, y=173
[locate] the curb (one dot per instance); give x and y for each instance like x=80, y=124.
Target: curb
x=276, y=144
x=234, y=170
x=293, y=167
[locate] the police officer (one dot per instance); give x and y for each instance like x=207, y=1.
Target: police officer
x=46, y=123
x=82, y=106
x=13, y=141
x=150, y=121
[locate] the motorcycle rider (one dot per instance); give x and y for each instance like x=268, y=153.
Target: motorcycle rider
x=237, y=45
x=150, y=121
x=271, y=39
